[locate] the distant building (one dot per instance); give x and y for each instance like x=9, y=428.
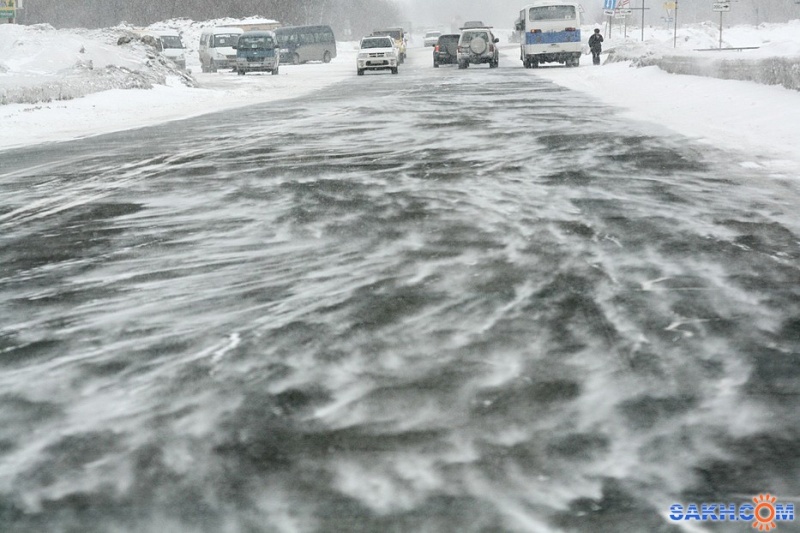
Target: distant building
x=255, y=24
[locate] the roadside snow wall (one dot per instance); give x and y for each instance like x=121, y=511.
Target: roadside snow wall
x=42, y=64
x=783, y=71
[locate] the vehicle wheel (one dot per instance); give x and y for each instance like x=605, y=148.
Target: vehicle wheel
x=326, y=57
x=296, y=59
x=274, y=72
x=361, y=72
x=534, y=63
x=463, y=64
x=394, y=70
x=240, y=72
x=435, y=64
x=494, y=64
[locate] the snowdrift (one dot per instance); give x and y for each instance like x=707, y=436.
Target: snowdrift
x=768, y=54
x=41, y=64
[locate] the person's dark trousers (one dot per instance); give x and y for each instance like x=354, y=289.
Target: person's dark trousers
x=596, y=57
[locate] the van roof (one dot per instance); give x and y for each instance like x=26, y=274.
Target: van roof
x=309, y=27
x=259, y=32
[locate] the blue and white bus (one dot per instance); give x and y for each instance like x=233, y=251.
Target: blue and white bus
x=551, y=33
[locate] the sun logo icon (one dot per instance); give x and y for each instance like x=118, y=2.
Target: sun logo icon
x=764, y=514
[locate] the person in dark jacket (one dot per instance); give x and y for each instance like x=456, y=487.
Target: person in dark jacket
x=595, y=45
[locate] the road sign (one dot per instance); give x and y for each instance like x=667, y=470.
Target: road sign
x=7, y=13
x=619, y=14
x=609, y=12
x=721, y=6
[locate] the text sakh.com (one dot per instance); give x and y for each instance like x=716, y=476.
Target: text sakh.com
x=764, y=512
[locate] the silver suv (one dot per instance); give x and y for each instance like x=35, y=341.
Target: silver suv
x=478, y=45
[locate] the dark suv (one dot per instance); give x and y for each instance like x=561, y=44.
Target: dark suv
x=445, y=51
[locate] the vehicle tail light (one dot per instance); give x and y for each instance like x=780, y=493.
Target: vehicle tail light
x=491, y=48
x=536, y=31
x=436, y=48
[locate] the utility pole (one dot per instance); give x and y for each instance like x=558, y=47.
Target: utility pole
x=642, y=20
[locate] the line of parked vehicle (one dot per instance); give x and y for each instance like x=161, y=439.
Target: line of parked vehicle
x=549, y=31
x=249, y=48
x=264, y=50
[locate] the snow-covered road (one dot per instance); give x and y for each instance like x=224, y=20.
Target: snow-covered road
x=440, y=301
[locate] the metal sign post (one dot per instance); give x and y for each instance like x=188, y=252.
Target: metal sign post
x=608, y=8
x=721, y=7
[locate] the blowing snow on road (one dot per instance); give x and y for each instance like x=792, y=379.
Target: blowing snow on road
x=442, y=300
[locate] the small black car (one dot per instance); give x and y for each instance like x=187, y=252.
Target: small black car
x=446, y=50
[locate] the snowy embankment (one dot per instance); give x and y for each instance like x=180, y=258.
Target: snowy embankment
x=768, y=54
x=41, y=64
x=759, y=121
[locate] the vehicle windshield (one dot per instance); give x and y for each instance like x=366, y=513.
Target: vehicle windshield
x=256, y=41
x=552, y=13
x=171, y=41
x=226, y=39
x=394, y=34
x=469, y=35
x=378, y=42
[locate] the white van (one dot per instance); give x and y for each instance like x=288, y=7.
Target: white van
x=171, y=45
x=551, y=33
x=217, y=48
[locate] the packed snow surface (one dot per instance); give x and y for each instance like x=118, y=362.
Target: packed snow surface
x=76, y=83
